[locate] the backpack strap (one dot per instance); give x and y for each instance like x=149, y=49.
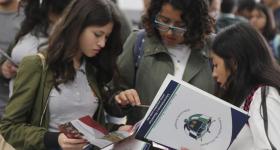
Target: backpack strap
x=43, y=59
x=42, y=87
x=138, y=51
x=264, y=91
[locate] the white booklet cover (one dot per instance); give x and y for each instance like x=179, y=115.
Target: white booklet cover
x=182, y=115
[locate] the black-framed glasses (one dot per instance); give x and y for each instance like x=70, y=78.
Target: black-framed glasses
x=166, y=27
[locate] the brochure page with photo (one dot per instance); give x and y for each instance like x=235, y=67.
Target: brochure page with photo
x=97, y=135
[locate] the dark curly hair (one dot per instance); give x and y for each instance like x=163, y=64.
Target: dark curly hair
x=194, y=14
x=36, y=16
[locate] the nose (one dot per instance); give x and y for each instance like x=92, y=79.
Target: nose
x=101, y=42
x=170, y=32
x=214, y=74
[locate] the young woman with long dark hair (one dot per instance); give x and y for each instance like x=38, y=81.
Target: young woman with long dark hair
x=80, y=59
x=243, y=66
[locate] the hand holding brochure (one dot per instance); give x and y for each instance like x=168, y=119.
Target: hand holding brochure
x=182, y=115
x=96, y=134
x=3, y=53
x=89, y=129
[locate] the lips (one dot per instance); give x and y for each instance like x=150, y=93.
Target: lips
x=171, y=39
x=219, y=84
x=96, y=50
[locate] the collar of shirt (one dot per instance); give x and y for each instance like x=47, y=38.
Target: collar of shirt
x=83, y=67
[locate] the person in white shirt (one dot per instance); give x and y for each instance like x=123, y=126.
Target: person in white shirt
x=243, y=66
x=40, y=17
x=10, y=20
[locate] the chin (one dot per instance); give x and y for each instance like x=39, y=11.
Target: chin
x=91, y=55
x=170, y=44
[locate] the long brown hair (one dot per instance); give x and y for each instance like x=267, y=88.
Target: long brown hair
x=64, y=42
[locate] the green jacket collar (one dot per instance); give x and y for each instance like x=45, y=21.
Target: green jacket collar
x=194, y=65
x=153, y=46
x=196, y=60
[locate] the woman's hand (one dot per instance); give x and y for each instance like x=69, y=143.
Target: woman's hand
x=8, y=69
x=127, y=128
x=71, y=144
x=128, y=97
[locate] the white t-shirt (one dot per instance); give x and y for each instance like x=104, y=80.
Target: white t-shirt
x=253, y=136
x=27, y=45
x=180, y=55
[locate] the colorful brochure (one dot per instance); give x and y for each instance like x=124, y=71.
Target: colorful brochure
x=97, y=135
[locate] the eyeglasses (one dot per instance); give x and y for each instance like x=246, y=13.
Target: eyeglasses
x=166, y=27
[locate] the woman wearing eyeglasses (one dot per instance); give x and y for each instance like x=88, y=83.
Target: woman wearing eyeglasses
x=177, y=35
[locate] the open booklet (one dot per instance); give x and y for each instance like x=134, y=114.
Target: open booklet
x=98, y=136
x=182, y=115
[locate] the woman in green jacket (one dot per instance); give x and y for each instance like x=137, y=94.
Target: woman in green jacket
x=79, y=60
x=176, y=41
